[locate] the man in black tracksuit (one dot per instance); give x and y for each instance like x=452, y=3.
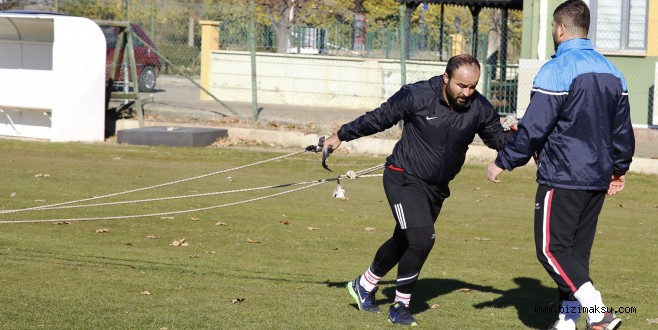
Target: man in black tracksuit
x=441, y=117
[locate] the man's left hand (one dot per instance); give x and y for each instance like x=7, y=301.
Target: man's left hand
x=493, y=171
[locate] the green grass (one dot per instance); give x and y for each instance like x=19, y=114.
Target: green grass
x=482, y=270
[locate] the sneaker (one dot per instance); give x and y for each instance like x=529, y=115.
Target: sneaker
x=364, y=299
x=555, y=307
x=399, y=314
x=609, y=322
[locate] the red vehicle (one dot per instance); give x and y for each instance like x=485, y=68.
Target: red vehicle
x=147, y=62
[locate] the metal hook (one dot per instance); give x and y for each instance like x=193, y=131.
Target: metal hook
x=325, y=154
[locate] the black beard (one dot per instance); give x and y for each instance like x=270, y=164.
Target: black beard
x=452, y=100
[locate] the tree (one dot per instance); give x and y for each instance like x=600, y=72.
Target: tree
x=281, y=14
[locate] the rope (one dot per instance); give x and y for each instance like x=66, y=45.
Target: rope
x=200, y=195
x=161, y=213
x=150, y=187
x=350, y=174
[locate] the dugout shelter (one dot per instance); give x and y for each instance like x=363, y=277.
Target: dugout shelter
x=53, y=77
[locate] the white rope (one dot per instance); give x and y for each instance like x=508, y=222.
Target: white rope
x=351, y=174
x=161, y=213
x=150, y=187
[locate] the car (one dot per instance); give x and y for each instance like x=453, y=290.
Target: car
x=147, y=61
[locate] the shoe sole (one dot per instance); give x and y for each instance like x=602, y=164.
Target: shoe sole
x=415, y=324
x=614, y=325
x=355, y=295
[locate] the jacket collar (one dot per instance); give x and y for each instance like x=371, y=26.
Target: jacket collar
x=578, y=43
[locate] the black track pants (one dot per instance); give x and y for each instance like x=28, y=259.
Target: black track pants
x=415, y=206
x=565, y=225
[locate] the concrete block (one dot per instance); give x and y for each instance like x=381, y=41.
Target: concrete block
x=171, y=136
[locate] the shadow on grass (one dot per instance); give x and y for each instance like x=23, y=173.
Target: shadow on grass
x=527, y=298
x=531, y=300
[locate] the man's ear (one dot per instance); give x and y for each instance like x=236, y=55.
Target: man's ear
x=562, y=29
x=445, y=78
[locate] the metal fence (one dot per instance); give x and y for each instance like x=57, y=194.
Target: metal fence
x=173, y=26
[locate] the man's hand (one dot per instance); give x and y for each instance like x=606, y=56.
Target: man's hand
x=332, y=142
x=493, y=171
x=617, y=183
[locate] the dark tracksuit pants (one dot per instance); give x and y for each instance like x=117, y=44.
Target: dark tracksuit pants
x=565, y=225
x=416, y=206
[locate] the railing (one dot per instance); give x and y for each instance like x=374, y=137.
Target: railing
x=500, y=86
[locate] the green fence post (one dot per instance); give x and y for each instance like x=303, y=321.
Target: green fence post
x=388, y=44
x=299, y=46
x=152, y=19
x=255, y=111
x=403, y=45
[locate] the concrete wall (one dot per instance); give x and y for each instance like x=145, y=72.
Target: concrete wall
x=313, y=80
x=528, y=69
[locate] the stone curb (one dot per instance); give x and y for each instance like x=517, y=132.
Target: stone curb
x=365, y=145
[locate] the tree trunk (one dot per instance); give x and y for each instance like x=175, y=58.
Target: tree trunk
x=493, y=44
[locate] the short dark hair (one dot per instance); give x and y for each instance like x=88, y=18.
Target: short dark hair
x=458, y=61
x=574, y=14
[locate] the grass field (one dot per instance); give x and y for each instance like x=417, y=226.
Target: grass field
x=282, y=262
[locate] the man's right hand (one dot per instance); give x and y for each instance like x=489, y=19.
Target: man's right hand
x=617, y=183
x=332, y=142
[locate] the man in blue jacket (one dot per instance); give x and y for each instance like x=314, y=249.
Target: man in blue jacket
x=578, y=127
x=441, y=117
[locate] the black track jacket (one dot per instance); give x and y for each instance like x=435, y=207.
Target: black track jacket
x=434, y=138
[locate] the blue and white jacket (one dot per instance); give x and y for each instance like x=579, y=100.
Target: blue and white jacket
x=578, y=122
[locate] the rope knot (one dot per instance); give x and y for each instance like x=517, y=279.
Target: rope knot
x=351, y=175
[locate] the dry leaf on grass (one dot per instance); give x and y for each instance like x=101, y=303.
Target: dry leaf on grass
x=179, y=242
x=369, y=229
x=145, y=293
x=194, y=218
x=219, y=223
x=464, y=290
x=483, y=239
x=42, y=175
x=434, y=306
x=312, y=228
x=652, y=321
x=237, y=300
x=284, y=222
x=167, y=218
x=152, y=236
x=249, y=240
x=63, y=223
x=101, y=230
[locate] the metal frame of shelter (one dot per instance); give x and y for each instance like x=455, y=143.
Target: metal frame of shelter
x=475, y=6
x=124, y=45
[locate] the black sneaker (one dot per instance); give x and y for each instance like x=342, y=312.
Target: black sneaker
x=364, y=299
x=399, y=314
x=609, y=322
